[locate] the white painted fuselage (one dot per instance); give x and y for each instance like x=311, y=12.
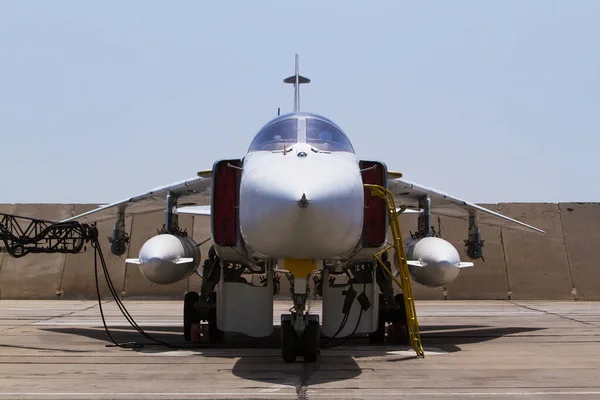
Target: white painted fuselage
x=301, y=203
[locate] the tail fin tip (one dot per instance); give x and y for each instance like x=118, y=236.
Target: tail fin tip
x=297, y=80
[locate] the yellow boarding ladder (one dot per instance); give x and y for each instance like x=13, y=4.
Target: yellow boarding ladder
x=404, y=282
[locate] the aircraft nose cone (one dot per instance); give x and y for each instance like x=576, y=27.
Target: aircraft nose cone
x=302, y=208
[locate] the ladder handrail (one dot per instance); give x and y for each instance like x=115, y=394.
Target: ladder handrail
x=405, y=282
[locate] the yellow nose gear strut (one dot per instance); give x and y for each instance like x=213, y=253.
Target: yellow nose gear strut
x=404, y=282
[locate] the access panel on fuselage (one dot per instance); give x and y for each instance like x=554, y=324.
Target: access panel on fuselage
x=225, y=201
x=375, y=216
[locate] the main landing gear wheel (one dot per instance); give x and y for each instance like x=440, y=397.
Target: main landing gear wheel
x=215, y=335
x=398, y=330
x=378, y=337
x=190, y=315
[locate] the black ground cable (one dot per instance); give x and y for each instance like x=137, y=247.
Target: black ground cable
x=344, y=320
x=342, y=325
x=133, y=345
x=111, y=288
x=345, y=340
x=115, y=294
x=124, y=310
x=350, y=336
x=123, y=345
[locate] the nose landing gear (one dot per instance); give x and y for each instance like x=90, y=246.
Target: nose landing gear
x=300, y=331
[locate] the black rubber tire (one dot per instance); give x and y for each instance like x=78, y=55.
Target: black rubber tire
x=399, y=319
x=310, y=341
x=398, y=337
x=400, y=315
x=118, y=248
x=215, y=335
x=288, y=342
x=190, y=315
x=378, y=337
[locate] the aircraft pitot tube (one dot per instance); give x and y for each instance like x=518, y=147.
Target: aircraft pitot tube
x=167, y=258
x=433, y=261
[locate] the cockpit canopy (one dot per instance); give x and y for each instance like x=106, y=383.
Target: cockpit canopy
x=285, y=131
x=276, y=135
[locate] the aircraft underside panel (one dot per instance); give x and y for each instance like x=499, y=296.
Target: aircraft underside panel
x=334, y=298
x=244, y=308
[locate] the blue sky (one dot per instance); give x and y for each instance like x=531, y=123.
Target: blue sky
x=490, y=101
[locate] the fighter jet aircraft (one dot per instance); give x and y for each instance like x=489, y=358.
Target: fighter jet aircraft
x=295, y=206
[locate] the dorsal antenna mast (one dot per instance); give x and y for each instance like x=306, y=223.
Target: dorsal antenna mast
x=297, y=80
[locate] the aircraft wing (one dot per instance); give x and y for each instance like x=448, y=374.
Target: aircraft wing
x=407, y=194
x=190, y=192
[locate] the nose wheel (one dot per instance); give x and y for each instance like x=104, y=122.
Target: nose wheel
x=300, y=337
x=300, y=331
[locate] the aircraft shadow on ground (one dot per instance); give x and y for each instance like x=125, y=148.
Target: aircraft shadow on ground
x=445, y=337
x=450, y=337
x=337, y=363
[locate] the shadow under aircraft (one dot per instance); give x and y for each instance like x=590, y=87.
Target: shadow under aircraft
x=259, y=358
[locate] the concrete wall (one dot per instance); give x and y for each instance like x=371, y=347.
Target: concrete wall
x=563, y=264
